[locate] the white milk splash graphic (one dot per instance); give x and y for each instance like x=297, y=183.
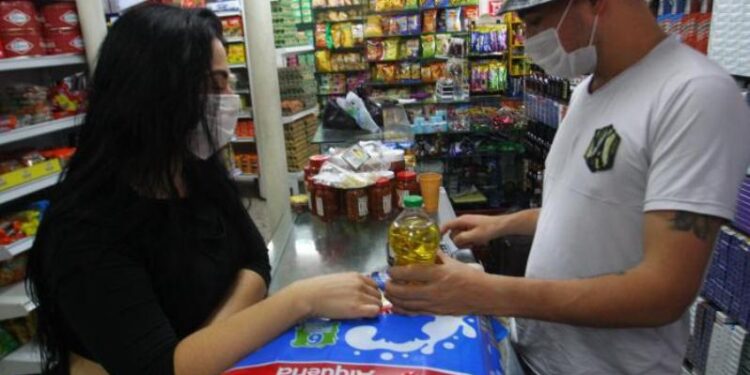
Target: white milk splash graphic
x=443, y=327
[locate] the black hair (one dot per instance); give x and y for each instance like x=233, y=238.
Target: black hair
x=147, y=97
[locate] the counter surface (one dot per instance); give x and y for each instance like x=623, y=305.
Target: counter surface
x=318, y=248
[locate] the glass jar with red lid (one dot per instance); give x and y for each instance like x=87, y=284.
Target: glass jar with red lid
x=381, y=199
x=406, y=184
x=316, y=162
x=356, y=204
x=326, y=202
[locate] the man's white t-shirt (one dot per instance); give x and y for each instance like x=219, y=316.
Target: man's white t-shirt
x=670, y=133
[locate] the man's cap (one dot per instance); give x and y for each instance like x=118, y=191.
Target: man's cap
x=516, y=5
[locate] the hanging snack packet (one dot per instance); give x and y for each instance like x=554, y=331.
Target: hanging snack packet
x=414, y=25
x=336, y=36
x=390, y=49
x=347, y=37
x=428, y=46
x=453, y=19
x=323, y=61
x=416, y=71
x=381, y=5
x=404, y=71
x=410, y=49
x=374, y=27
x=358, y=34
x=321, y=30
x=402, y=23
x=429, y=21
x=441, y=26
x=438, y=71
x=389, y=73
x=471, y=15
x=374, y=50
x=427, y=74
x=427, y=4
x=397, y=4
x=442, y=45
x=411, y=4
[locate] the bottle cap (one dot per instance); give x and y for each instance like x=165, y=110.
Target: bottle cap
x=413, y=201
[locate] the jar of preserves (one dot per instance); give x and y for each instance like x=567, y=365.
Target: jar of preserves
x=406, y=184
x=310, y=187
x=395, y=160
x=356, y=204
x=381, y=199
x=316, y=162
x=326, y=202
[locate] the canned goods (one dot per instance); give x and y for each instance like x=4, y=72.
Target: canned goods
x=64, y=41
x=22, y=43
x=60, y=16
x=18, y=15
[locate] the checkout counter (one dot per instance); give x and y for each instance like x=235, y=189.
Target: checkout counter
x=318, y=248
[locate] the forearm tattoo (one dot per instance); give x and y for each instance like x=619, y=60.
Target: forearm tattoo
x=703, y=226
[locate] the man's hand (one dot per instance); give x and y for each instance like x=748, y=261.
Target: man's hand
x=472, y=230
x=450, y=288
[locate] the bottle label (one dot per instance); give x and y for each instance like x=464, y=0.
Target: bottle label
x=362, y=206
x=387, y=199
x=401, y=195
x=319, y=205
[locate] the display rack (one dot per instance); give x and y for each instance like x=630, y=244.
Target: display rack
x=40, y=129
x=23, y=63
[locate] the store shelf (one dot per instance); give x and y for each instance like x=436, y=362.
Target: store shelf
x=396, y=84
x=338, y=8
x=294, y=50
x=230, y=13
x=18, y=247
x=235, y=39
x=39, y=129
x=243, y=140
x=20, y=63
x=242, y=91
x=352, y=20
x=242, y=177
x=395, y=12
x=14, y=302
x=292, y=118
x=29, y=188
x=487, y=55
x=238, y=66
x=246, y=115
x=25, y=360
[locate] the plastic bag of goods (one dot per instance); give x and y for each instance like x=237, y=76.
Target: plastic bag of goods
x=388, y=344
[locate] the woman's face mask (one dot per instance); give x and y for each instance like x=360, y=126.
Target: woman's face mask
x=222, y=120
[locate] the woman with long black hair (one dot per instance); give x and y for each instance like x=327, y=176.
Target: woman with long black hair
x=146, y=261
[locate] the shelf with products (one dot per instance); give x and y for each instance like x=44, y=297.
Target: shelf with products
x=37, y=62
x=39, y=129
x=15, y=302
x=25, y=360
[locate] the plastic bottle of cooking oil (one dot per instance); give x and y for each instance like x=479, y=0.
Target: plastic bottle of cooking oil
x=413, y=237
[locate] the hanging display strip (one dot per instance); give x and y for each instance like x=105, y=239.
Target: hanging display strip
x=727, y=46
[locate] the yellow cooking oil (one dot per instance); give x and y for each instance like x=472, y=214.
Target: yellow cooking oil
x=413, y=237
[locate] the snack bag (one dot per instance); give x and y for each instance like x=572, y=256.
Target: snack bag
x=323, y=61
x=381, y=5
x=374, y=27
x=416, y=72
x=429, y=21
x=391, y=49
x=387, y=344
x=453, y=19
x=321, y=31
x=336, y=36
x=411, y=4
x=358, y=34
x=410, y=49
x=374, y=50
x=427, y=4
x=389, y=73
x=404, y=71
x=347, y=37
x=414, y=26
x=428, y=46
x=442, y=45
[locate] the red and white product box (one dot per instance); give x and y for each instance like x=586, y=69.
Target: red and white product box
x=64, y=41
x=22, y=43
x=60, y=16
x=18, y=15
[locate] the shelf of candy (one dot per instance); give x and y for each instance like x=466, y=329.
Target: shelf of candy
x=25, y=167
x=232, y=27
x=339, y=62
x=488, y=77
x=393, y=50
x=339, y=36
x=15, y=333
x=246, y=162
x=488, y=40
x=17, y=230
x=340, y=84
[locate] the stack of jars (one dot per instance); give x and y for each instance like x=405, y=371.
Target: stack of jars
x=24, y=33
x=378, y=201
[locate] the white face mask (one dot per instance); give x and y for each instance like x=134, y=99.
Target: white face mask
x=223, y=111
x=546, y=50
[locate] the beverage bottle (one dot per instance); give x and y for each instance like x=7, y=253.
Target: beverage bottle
x=413, y=238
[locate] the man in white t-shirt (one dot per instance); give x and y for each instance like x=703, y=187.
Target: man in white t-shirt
x=643, y=171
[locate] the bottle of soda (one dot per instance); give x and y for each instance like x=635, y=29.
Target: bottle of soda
x=413, y=238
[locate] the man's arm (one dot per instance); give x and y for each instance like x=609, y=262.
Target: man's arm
x=478, y=230
x=677, y=248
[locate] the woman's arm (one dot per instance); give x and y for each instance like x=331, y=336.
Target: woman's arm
x=248, y=289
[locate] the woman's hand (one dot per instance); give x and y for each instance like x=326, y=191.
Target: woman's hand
x=339, y=296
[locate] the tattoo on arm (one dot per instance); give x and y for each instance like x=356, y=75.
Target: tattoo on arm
x=703, y=226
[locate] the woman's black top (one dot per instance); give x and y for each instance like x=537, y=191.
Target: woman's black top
x=133, y=276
